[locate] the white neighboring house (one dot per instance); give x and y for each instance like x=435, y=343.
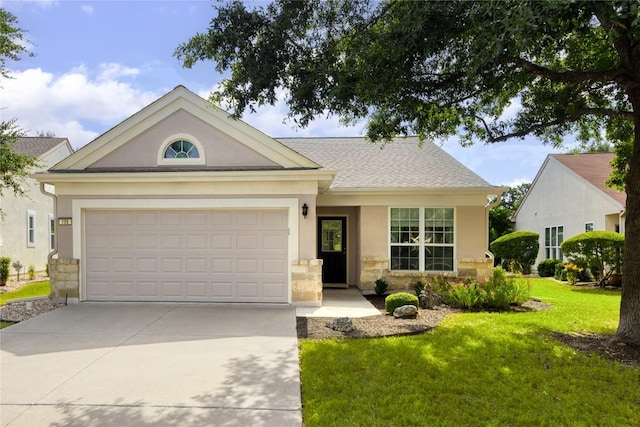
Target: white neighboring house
x=568, y=197
x=27, y=228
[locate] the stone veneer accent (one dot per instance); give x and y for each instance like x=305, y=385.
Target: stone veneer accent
x=373, y=268
x=64, y=279
x=306, y=282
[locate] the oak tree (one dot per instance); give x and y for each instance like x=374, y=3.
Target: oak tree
x=484, y=71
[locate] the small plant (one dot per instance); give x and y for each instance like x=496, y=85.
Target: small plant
x=31, y=272
x=399, y=299
x=572, y=272
x=46, y=269
x=467, y=295
x=4, y=270
x=560, y=273
x=547, y=268
x=17, y=266
x=419, y=287
x=381, y=286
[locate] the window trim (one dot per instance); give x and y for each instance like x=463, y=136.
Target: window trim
x=162, y=161
x=31, y=229
x=547, y=249
x=52, y=233
x=421, y=237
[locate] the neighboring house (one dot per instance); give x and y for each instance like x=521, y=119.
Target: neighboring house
x=27, y=227
x=181, y=203
x=568, y=197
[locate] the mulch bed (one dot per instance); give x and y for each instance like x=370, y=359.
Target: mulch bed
x=386, y=325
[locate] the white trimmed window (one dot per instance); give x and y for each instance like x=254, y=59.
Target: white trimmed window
x=422, y=239
x=52, y=233
x=553, y=238
x=181, y=149
x=31, y=229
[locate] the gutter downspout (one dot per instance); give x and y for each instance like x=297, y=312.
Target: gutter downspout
x=55, y=218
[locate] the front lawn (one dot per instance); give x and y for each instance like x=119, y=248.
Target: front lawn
x=37, y=289
x=488, y=369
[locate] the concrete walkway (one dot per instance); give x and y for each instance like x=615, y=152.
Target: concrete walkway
x=340, y=303
x=151, y=364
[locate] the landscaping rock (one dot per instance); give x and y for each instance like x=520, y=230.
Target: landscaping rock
x=406, y=312
x=429, y=299
x=19, y=310
x=342, y=324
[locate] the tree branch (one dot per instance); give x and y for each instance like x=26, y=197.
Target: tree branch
x=568, y=76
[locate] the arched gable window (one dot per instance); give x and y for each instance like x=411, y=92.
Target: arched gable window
x=181, y=149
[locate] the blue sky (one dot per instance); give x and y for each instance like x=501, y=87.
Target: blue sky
x=97, y=62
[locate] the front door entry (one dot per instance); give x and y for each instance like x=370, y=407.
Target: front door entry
x=332, y=249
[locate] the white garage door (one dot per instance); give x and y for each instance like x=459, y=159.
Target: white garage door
x=171, y=255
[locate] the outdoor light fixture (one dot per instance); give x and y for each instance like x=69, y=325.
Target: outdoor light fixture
x=305, y=210
x=64, y=221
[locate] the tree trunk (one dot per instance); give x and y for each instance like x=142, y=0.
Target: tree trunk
x=629, y=327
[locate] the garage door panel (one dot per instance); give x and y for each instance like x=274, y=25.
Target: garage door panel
x=223, y=256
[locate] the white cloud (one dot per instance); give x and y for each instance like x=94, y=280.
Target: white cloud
x=87, y=9
x=77, y=104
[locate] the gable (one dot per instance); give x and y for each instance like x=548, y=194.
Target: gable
x=117, y=147
x=219, y=150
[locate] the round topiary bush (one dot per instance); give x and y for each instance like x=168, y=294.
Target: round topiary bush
x=521, y=247
x=399, y=299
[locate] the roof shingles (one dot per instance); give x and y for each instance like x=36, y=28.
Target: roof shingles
x=36, y=146
x=403, y=163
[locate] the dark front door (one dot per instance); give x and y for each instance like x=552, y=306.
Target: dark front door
x=332, y=249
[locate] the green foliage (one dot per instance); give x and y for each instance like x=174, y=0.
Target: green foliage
x=521, y=247
x=31, y=272
x=14, y=167
x=601, y=249
x=399, y=299
x=572, y=271
x=418, y=287
x=560, y=273
x=496, y=293
x=476, y=368
x=381, y=286
x=38, y=289
x=547, y=267
x=5, y=262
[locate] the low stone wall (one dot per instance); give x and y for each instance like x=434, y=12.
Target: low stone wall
x=373, y=268
x=306, y=282
x=64, y=279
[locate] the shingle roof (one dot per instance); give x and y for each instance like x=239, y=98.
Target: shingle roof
x=402, y=163
x=36, y=146
x=594, y=168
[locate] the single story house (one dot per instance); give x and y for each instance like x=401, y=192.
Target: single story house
x=27, y=227
x=569, y=196
x=180, y=202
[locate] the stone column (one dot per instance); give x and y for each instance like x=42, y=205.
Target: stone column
x=306, y=282
x=65, y=280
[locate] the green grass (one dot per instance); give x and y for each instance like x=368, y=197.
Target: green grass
x=31, y=290
x=477, y=369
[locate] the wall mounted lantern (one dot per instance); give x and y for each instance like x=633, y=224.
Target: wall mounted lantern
x=305, y=210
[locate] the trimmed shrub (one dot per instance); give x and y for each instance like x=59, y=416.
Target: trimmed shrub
x=547, y=268
x=399, y=299
x=601, y=251
x=381, y=287
x=521, y=247
x=5, y=262
x=560, y=273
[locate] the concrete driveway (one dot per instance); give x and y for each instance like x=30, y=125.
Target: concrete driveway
x=151, y=364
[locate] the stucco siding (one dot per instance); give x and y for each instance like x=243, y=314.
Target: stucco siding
x=471, y=232
x=220, y=150
x=559, y=197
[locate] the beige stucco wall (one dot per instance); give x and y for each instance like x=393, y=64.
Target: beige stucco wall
x=13, y=225
x=220, y=149
x=559, y=197
x=471, y=232
x=374, y=231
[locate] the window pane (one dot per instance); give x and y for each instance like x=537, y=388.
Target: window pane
x=438, y=258
x=405, y=258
